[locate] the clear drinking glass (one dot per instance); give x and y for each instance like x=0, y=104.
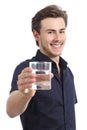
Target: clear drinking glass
x=43, y=75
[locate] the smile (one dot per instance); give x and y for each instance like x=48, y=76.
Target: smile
x=56, y=45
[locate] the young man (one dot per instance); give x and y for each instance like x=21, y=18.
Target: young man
x=45, y=109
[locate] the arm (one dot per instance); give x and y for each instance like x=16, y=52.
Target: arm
x=18, y=100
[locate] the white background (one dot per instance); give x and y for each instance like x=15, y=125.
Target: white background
x=17, y=44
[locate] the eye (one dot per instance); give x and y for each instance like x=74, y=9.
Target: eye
x=50, y=32
x=62, y=31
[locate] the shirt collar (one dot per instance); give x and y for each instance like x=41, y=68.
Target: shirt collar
x=42, y=57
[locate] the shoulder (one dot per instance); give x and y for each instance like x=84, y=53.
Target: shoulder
x=23, y=65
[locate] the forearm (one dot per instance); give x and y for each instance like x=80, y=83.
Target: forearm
x=17, y=103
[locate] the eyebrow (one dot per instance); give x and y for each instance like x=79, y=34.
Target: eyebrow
x=54, y=29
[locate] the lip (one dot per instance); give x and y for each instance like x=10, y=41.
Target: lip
x=56, y=46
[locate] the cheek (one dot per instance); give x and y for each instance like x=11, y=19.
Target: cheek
x=45, y=39
x=63, y=38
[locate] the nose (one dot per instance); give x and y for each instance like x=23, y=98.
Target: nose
x=57, y=36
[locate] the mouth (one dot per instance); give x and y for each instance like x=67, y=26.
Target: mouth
x=57, y=45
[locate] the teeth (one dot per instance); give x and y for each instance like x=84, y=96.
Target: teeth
x=55, y=45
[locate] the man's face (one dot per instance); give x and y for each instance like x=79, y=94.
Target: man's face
x=52, y=37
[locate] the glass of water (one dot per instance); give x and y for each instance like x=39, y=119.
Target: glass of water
x=43, y=75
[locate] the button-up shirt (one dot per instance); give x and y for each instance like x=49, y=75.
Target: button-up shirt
x=50, y=109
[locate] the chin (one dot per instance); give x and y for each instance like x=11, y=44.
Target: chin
x=57, y=54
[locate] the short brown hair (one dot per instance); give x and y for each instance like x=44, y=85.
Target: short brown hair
x=52, y=11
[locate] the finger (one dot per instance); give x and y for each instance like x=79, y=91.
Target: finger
x=30, y=92
x=52, y=75
x=43, y=77
x=27, y=69
x=26, y=74
x=26, y=90
x=25, y=81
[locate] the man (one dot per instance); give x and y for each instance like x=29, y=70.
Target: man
x=45, y=109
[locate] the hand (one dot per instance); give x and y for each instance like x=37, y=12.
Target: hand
x=25, y=80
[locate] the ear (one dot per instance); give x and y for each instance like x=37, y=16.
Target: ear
x=36, y=35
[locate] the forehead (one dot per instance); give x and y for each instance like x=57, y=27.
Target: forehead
x=53, y=23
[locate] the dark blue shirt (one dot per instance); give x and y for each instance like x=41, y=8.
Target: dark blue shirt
x=50, y=109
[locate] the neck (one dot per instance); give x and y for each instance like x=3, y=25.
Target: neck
x=56, y=60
